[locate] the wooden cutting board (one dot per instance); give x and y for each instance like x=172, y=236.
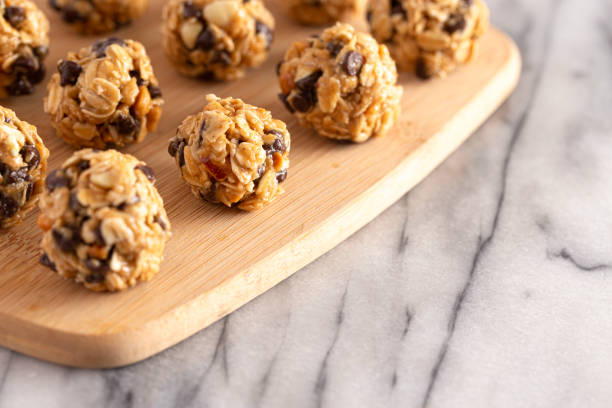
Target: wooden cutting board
x=219, y=258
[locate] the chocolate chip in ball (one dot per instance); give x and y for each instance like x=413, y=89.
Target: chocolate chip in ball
x=302, y=102
x=148, y=171
x=206, y=40
x=181, y=154
x=155, y=91
x=334, y=47
x=55, y=180
x=191, y=10
x=277, y=146
x=83, y=165
x=281, y=176
x=36, y=76
x=29, y=190
x=126, y=124
x=285, y=101
x=352, y=63
x=98, y=267
x=309, y=81
x=222, y=57
x=65, y=238
x=72, y=15
x=41, y=51
x=14, y=15
x=30, y=154
x=69, y=72
x=46, y=261
x=173, y=147
x=261, y=28
x=100, y=46
x=278, y=67
x=20, y=86
x=161, y=222
x=455, y=22
x=421, y=69
x=398, y=8
x=8, y=206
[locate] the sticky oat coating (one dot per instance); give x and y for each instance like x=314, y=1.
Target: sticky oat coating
x=341, y=83
x=232, y=152
x=23, y=164
x=24, y=44
x=317, y=12
x=99, y=16
x=103, y=221
x=105, y=95
x=217, y=38
x=429, y=37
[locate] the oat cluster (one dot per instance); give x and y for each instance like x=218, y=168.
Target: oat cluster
x=324, y=11
x=99, y=16
x=217, y=38
x=341, y=83
x=24, y=44
x=429, y=37
x=103, y=221
x=233, y=153
x=104, y=95
x=23, y=163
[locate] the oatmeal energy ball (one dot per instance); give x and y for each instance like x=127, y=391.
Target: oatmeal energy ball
x=217, y=38
x=104, y=95
x=103, y=221
x=23, y=163
x=341, y=83
x=99, y=16
x=324, y=11
x=233, y=153
x=24, y=44
x=429, y=37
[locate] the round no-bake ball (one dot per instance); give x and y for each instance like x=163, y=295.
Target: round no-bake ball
x=341, y=83
x=23, y=163
x=217, y=38
x=99, y=16
x=103, y=221
x=105, y=95
x=324, y=11
x=24, y=43
x=429, y=37
x=233, y=153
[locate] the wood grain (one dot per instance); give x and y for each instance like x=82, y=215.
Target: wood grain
x=218, y=258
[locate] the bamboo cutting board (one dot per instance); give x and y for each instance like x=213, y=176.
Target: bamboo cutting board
x=218, y=259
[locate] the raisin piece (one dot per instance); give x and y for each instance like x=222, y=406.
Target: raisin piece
x=352, y=63
x=155, y=91
x=46, y=261
x=148, y=172
x=281, y=176
x=56, y=179
x=65, y=238
x=334, y=48
x=455, y=22
x=30, y=155
x=126, y=124
x=206, y=40
x=191, y=10
x=21, y=86
x=8, y=206
x=261, y=28
x=69, y=72
x=421, y=69
x=100, y=46
x=14, y=15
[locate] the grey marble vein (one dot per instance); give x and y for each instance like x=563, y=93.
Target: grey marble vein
x=488, y=285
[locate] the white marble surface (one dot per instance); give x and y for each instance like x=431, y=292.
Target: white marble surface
x=489, y=285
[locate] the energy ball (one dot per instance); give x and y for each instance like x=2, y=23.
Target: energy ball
x=103, y=221
x=217, y=39
x=105, y=95
x=341, y=83
x=23, y=163
x=99, y=16
x=429, y=37
x=233, y=153
x=24, y=44
x=317, y=12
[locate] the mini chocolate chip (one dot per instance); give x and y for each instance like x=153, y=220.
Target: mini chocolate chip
x=46, y=261
x=455, y=22
x=155, y=91
x=126, y=124
x=302, y=102
x=100, y=46
x=14, y=15
x=161, y=222
x=69, y=72
x=72, y=15
x=38, y=75
x=99, y=236
x=191, y=10
x=352, y=63
x=173, y=147
x=148, y=171
x=222, y=57
x=17, y=176
x=73, y=202
x=261, y=28
x=421, y=69
x=398, y=8
x=56, y=179
x=30, y=155
x=24, y=64
x=65, y=238
x=281, y=176
x=261, y=170
x=135, y=74
x=8, y=206
x=206, y=40
x=334, y=47
x=283, y=98
x=41, y=51
x=278, y=67
x=98, y=268
x=83, y=165
x=182, y=155
x=277, y=146
x=21, y=86
x=29, y=190
x=309, y=81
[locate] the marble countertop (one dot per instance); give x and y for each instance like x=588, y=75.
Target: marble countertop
x=488, y=285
